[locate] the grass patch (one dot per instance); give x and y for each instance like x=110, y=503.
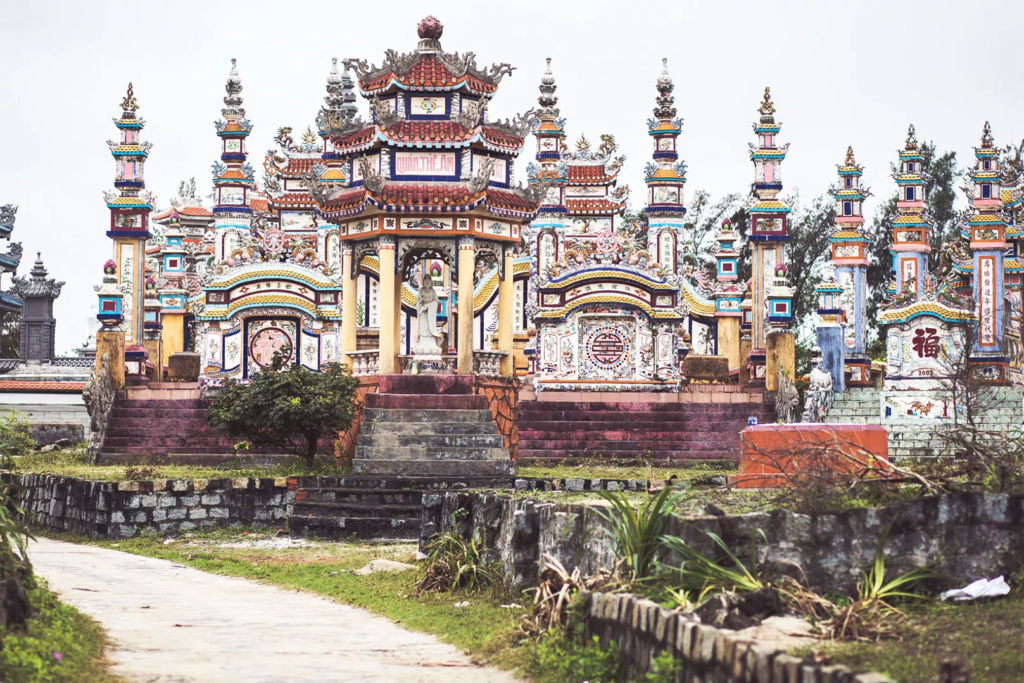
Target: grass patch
x=58, y=645
x=596, y=469
x=73, y=462
x=986, y=635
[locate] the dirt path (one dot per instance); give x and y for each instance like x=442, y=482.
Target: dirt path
x=173, y=624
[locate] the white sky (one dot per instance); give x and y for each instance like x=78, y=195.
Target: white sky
x=849, y=73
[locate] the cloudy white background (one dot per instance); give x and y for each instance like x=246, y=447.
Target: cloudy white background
x=841, y=73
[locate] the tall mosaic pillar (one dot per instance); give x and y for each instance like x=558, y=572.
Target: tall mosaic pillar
x=911, y=227
x=728, y=294
x=233, y=177
x=769, y=231
x=130, y=207
x=849, y=247
x=666, y=179
x=986, y=227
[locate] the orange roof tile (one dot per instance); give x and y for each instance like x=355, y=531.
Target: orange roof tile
x=292, y=198
x=28, y=385
x=579, y=173
x=194, y=211
x=593, y=205
x=429, y=72
x=298, y=166
x=260, y=205
x=421, y=194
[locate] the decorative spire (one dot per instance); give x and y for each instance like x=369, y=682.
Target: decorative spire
x=767, y=108
x=233, y=102
x=850, y=161
x=547, y=99
x=911, y=138
x=429, y=31
x=128, y=104
x=986, y=136
x=664, y=109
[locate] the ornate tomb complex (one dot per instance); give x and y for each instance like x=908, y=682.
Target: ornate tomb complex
x=397, y=241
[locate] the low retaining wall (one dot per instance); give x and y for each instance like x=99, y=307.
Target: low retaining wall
x=642, y=630
x=125, y=509
x=965, y=536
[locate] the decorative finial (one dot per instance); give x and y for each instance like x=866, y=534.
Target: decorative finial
x=767, y=108
x=547, y=99
x=911, y=137
x=128, y=104
x=547, y=69
x=664, y=101
x=986, y=136
x=430, y=29
x=850, y=161
x=233, y=102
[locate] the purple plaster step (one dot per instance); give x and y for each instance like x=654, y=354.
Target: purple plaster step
x=340, y=528
x=427, y=401
x=618, y=415
x=425, y=384
x=177, y=404
x=619, y=444
x=249, y=459
x=544, y=459
x=627, y=426
x=688, y=407
x=526, y=455
x=425, y=415
x=157, y=413
x=465, y=468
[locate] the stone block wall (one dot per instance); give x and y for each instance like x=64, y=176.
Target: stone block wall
x=642, y=630
x=126, y=509
x=1000, y=409
x=965, y=536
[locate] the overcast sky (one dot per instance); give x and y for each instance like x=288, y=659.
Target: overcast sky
x=841, y=73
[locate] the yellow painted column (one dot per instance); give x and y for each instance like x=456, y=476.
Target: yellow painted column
x=505, y=316
x=780, y=353
x=729, y=340
x=467, y=264
x=173, y=334
x=388, y=340
x=349, y=298
x=110, y=343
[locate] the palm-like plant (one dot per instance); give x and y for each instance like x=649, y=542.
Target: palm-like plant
x=637, y=530
x=703, y=575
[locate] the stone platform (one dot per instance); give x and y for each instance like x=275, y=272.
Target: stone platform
x=776, y=455
x=429, y=425
x=637, y=427
x=174, y=431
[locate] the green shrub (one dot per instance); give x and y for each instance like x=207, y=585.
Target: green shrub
x=638, y=530
x=566, y=656
x=58, y=645
x=453, y=562
x=14, y=437
x=288, y=408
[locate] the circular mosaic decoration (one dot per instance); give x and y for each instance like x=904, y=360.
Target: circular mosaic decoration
x=266, y=343
x=607, y=348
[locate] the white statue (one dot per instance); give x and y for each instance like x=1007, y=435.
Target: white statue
x=427, y=345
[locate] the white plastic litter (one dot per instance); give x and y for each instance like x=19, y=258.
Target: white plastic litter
x=982, y=588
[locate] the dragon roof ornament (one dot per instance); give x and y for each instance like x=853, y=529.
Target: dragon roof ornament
x=518, y=127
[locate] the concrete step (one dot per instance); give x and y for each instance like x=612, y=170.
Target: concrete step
x=718, y=442
x=349, y=509
x=429, y=453
x=383, y=439
x=711, y=451
x=340, y=528
x=435, y=467
x=197, y=459
x=431, y=428
x=425, y=415
x=376, y=496
x=425, y=384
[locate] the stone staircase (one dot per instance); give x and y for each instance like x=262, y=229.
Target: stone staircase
x=429, y=425
x=372, y=506
x=174, y=431
x=573, y=431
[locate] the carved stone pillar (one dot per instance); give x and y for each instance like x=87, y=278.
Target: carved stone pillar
x=389, y=333
x=349, y=275
x=506, y=304
x=467, y=265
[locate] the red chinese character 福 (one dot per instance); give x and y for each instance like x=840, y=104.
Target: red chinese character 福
x=926, y=343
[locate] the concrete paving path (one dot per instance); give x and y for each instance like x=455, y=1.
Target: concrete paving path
x=173, y=624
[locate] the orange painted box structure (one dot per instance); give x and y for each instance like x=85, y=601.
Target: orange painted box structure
x=774, y=455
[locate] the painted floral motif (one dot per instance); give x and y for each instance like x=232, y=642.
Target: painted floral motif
x=266, y=343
